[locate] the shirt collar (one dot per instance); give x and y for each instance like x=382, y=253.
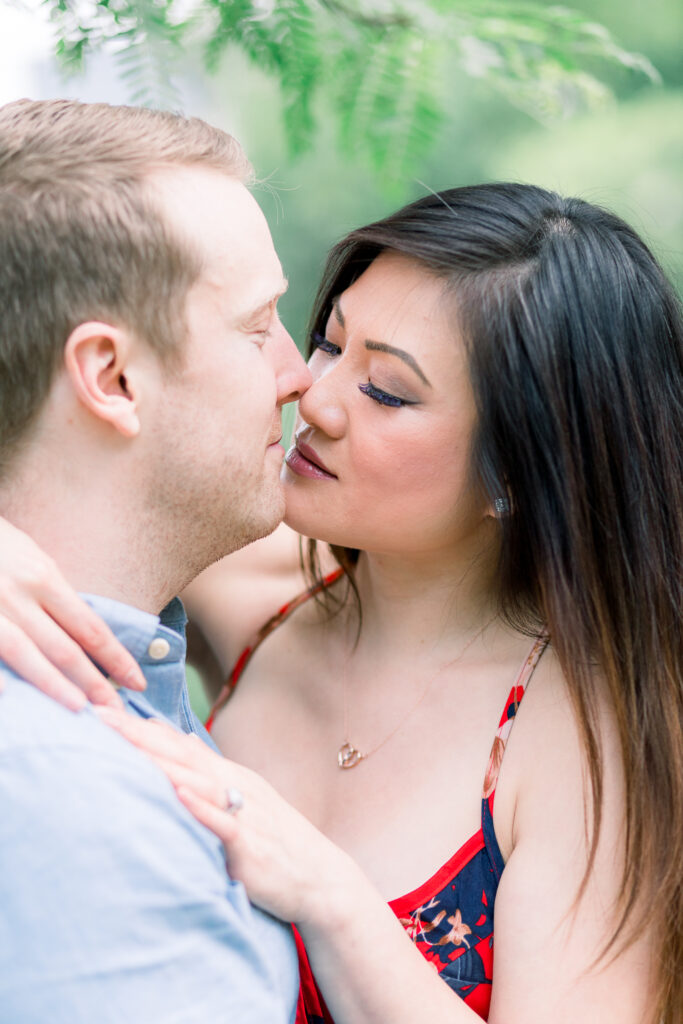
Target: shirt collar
x=157, y=642
x=136, y=629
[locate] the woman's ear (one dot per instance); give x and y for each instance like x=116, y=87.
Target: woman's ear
x=96, y=358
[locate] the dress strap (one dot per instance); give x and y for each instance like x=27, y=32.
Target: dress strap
x=508, y=716
x=272, y=624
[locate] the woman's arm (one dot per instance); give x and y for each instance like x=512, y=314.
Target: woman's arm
x=49, y=635
x=367, y=968
x=234, y=597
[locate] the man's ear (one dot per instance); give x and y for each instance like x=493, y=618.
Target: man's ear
x=96, y=358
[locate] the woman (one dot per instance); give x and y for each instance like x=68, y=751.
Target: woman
x=491, y=446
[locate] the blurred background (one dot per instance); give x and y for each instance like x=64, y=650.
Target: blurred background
x=349, y=108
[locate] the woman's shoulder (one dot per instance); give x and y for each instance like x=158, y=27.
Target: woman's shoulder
x=558, y=900
x=546, y=770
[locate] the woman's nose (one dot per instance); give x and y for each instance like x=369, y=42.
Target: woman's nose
x=322, y=405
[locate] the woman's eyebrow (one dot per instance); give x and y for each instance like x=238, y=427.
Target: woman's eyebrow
x=381, y=346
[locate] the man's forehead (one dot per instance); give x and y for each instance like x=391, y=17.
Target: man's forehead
x=226, y=228
x=216, y=214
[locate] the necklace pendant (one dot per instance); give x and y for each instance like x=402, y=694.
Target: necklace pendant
x=348, y=756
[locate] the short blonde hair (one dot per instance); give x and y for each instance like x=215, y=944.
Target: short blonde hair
x=81, y=237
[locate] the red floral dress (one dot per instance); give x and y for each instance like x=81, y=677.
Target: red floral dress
x=450, y=916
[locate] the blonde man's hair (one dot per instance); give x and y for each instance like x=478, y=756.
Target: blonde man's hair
x=81, y=237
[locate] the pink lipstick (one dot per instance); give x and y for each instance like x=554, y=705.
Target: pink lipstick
x=305, y=461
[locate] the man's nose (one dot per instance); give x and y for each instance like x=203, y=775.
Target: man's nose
x=292, y=373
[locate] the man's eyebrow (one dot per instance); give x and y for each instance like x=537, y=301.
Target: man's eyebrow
x=252, y=314
x=381, y=346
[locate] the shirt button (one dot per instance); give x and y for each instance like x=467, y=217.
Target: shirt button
x=158, y=648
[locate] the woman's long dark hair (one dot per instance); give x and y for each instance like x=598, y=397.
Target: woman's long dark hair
x=575, y=344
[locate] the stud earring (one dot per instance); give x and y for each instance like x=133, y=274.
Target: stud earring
x=501, y=507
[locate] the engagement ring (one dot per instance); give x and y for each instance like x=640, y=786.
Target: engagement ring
x=234, y=801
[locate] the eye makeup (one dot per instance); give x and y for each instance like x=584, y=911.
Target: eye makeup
x=324, y=344
x=382, y=397
x=376, y=394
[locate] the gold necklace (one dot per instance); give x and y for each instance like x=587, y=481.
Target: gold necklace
x=348, y=755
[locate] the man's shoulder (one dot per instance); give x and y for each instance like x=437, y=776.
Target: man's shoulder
x=29, y=720
x=28, y=717
x=103, y=866
x=76, y=795
x=48, y=752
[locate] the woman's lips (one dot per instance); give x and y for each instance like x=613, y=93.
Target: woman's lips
x=304, y=461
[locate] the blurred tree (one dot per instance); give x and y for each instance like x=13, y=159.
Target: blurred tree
x=377, y=67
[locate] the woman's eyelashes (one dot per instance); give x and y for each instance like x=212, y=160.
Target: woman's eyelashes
x=369, y=389
x=325, y=345
x=383, y=397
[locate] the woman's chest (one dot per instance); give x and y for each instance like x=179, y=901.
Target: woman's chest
x=406, y=807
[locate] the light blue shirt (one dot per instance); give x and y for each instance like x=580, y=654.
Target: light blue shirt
x=115, y=904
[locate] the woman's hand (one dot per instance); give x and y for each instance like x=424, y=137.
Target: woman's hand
x=286, y=865
x=47, y=631
x=291, y=870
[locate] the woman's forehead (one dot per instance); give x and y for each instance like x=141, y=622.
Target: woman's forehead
x=396, y=297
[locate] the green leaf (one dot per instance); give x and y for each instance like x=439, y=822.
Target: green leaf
x=379, y=65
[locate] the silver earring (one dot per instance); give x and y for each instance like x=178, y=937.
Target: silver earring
x=501, y=507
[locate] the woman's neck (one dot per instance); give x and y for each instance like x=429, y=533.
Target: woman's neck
x=432, y=603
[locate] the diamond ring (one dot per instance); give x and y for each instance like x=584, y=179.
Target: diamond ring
x=234, y=800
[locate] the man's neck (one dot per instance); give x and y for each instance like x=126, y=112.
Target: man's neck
x=99, y=547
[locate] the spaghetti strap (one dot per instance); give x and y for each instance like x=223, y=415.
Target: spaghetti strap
x=272, y=624
x=508, y=716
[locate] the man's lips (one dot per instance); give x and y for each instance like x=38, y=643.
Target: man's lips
x=305, y=461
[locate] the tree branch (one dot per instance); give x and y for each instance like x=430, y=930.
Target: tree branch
x=371, y=20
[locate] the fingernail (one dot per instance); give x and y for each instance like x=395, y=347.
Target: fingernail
x=77, y=703
x=135, y=680
x=108, y=714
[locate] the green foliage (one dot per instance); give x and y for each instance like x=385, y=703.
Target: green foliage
x=281, y=39
x=539, y=56
x=145, y=36
x=379, y=69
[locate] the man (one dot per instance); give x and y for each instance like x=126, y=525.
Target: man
x=142, y=371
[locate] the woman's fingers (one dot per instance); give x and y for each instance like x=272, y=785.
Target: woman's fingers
x=222, y=824
x=203, y=780
x=36, y=627
x=79, y=621
x=159, y=739
x=24, y=658
x=208, y=787
x=270, y=847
